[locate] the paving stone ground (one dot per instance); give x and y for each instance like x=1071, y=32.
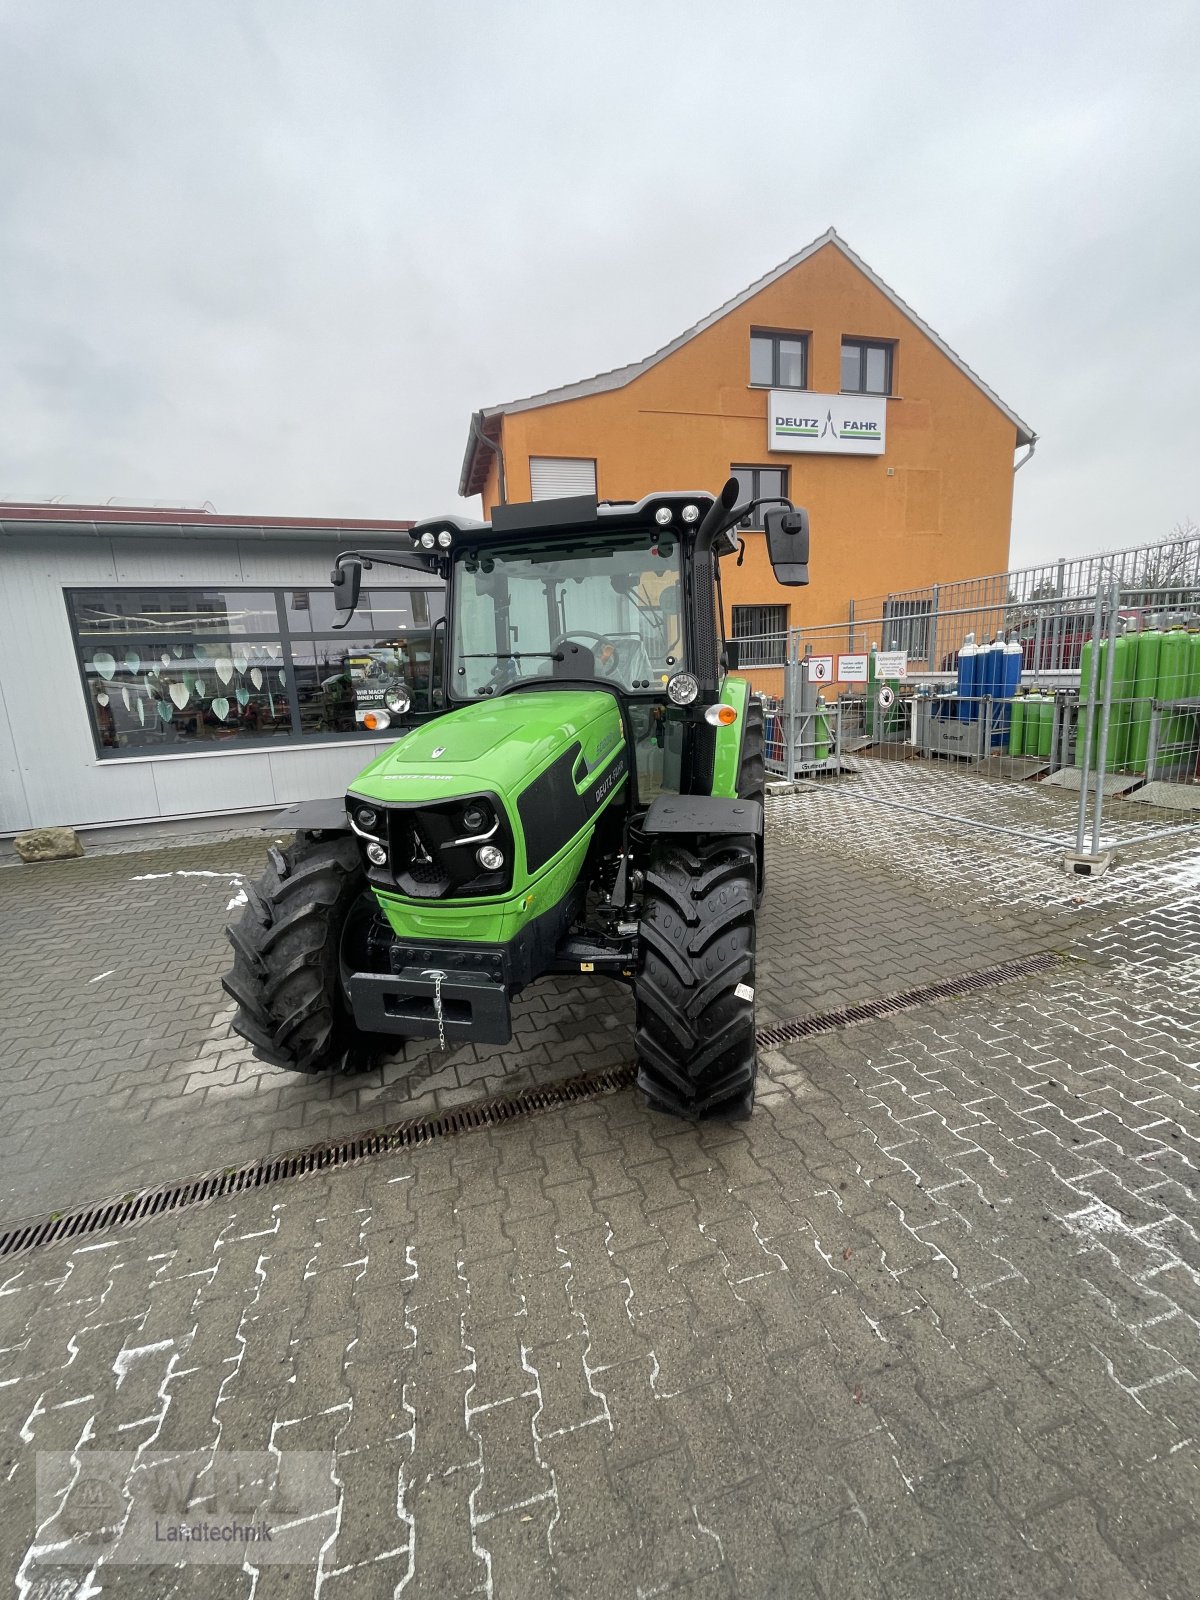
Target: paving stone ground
x=120, y=1069
x=927, y=1325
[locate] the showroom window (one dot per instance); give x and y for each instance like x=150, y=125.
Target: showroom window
x=866, y=366
x=759, y=483
x=167, y=670
x=778, y=360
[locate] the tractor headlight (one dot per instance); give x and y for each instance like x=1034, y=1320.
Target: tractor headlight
x=683, y=688
x=377, y=854
x=427, y=541
x=662, y=516
x=445, y=539
x=475, y=819
x=490, y=857
x=366, y=817
x=690, y=513
x=398, y=700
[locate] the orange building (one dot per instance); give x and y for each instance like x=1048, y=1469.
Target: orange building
x=818, y=383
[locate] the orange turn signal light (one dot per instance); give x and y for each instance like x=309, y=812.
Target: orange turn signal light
x=720, y=716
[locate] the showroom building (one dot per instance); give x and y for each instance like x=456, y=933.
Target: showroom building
x=161, y=665
x=817, y=383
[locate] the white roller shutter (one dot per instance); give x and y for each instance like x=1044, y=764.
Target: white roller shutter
x=553, y=477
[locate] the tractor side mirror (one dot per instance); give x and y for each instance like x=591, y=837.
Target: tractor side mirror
x=733, y=654
x=787, y=544
x=346, y=579
x=668, y=600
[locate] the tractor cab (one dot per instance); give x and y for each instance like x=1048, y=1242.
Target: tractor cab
x=620, y=596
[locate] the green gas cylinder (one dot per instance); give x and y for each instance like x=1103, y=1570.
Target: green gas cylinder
x=1176, y=729
x=1194, y=674
x=1145, y=687
x=1085, y=685
x=1029, y=731
x=821, y=731
x=1033, y=721
x=1016, y=725
x=1045, y=725
x=1121, y=722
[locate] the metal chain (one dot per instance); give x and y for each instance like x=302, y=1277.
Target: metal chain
x=437, y=1007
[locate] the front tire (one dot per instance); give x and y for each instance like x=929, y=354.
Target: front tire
x=286, y=975
x=694, y=991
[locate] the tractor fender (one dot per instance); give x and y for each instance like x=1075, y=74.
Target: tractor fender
x=313, y=816
x=703, y=814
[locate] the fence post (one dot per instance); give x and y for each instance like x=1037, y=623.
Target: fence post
x=1088, y=716
x=1114, y=615
x=793, y=689
x=931, y=642
x=850, y=645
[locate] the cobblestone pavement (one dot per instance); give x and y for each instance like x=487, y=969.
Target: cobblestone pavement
x=120, y=1069
x=926, y=1326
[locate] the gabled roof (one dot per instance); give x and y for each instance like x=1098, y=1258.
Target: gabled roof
x=487, y=421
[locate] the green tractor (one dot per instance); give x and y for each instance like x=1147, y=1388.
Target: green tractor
x=590, y=800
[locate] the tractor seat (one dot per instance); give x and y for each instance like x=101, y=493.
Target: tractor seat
x=579, y=661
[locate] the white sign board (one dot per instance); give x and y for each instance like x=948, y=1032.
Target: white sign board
x=852, y=669
x=820, y=669
x=891, y=664
x=826, y=424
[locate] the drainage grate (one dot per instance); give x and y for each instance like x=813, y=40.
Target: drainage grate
x=74, y=1226
x=871, y=1010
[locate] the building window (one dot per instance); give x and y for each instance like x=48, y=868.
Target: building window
x=778, y=360
x=553, y=477
x=762, y=633
x=906, y=627
x=166, y=670
x=866, y=366
x=760, y=483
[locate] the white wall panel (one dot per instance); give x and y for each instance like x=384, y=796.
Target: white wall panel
x=14, y=808
x=204, y=784
x=56, y=759
x=211, y=562
x=320, y=771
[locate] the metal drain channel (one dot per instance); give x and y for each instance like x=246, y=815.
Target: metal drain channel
x=75, y=1226
x=872, y=1010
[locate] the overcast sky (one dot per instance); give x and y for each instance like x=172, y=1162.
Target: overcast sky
x=272, y=255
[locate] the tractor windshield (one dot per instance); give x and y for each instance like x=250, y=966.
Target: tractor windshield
x=567, y=608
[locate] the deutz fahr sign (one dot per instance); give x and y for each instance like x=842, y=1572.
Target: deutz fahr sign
x=828, y=424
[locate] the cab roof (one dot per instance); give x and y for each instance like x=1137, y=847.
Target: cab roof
x=576, y=514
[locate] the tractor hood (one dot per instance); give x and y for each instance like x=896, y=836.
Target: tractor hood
x=499, y=745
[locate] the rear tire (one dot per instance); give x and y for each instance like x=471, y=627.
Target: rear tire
x=752, y=771
x=286, y=974
x=694, y=992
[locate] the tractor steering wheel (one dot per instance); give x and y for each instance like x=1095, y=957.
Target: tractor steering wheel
x=577, y=634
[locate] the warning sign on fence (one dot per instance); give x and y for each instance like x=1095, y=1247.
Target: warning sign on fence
x=820, y=669
x=852, y=669
x=891, y=664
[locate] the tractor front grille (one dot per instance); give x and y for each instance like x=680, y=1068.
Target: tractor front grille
x=433, y=852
